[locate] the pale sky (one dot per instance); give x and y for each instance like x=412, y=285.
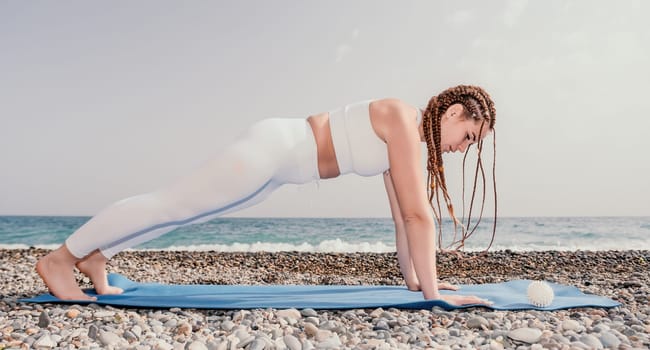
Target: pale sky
x=102, y=101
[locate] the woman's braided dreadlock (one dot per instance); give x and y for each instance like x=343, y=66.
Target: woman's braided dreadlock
x=479, y=106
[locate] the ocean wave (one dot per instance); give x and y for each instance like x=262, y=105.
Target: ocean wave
x=327, y=246
x=341, y=246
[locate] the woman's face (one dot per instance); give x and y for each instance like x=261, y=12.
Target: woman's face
x=458, y=132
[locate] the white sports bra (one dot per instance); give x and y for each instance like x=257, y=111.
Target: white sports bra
x=357, y=147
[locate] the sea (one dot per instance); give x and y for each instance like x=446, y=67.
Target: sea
x=349, y=234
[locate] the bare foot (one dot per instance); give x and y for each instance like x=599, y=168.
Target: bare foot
x=57, y=271
x=94, y=266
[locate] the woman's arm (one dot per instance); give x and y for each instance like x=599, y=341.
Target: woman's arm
x=403, y=143
x=404, y=154
x=403, y=256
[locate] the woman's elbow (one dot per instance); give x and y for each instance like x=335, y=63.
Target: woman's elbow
x=416, y=218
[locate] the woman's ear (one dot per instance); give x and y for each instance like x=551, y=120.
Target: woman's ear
x=455, y=110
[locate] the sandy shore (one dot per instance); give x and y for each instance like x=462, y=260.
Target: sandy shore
x=621, y=275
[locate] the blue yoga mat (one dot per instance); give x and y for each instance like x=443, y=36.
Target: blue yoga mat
x=506, y=296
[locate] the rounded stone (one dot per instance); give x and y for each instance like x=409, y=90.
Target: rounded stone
x=307, y=345
x=381, y=325
x=93, y=331
x=45, y=342
x=102, y=314
x=257, y=344
x=171, y=323
x=609, y=340
x=570, y=325
x=184, y=328
x=243, y=342
x=477, y=322
x=129, y=336
x=136, y=330
x=591, y=341
x=376, y=313
x=310, y=329
x=494, y=345
x=526, y=335
x=288, y=313
x=109, y=338
x=323, y=334
x=308, y=313
x=43, y=319
x=292, y=342
x=313, y=320
x=72, y=313
x=227, y=325
x=162, y=345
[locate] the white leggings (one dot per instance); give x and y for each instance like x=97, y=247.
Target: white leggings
x=272, y=152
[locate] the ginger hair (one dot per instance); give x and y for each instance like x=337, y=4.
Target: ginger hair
x=479, y=106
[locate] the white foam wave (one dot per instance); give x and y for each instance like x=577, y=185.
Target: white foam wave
x=340, y=246
x=561, y=247
x=329, y=246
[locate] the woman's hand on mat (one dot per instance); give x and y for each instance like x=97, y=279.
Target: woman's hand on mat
x=447, y=286
x=441, y=286
x=464, y=300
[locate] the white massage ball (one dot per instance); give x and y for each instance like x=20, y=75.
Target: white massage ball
x=540, y=294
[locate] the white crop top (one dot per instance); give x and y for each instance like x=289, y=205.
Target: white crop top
x=357, y=147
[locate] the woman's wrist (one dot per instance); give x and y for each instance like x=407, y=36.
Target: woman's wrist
x=413, y=286
x=430, y=291
x=431, y=295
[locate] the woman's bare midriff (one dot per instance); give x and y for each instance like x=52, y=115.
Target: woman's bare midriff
x=327, y=164
x=380, y=120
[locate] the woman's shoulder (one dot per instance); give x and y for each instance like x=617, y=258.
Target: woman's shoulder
x=391, y=115
x=393, y=106
x=392, y=110
x=390, y=104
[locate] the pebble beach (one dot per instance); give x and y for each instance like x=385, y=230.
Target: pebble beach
x=621, y=275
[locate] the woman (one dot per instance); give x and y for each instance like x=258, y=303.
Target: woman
x=367, y=138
